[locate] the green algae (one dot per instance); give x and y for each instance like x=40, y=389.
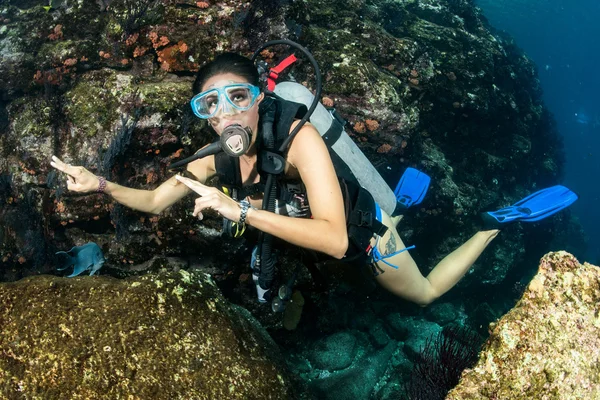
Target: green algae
x=164, y=97
x=31, y=117
x=92, y=105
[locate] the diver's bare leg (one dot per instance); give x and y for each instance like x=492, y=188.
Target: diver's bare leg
x=408, y=282
x=396, y=220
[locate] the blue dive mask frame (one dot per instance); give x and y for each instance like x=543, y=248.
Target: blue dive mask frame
x=224, y=102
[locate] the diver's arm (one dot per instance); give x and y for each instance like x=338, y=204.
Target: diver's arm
x=326, y=231
x=79, y=179
x=172, y=190
x=150, y=201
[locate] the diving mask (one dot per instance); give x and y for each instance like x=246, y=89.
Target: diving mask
x=230, y=99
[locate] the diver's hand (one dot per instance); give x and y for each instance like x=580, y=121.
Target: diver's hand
x=211, y=197
x=79, y=179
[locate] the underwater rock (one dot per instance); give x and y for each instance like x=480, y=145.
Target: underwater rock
x=161, y=336
x=357, y=381
x=548, y=345
x=442, y=313
x=335, y=352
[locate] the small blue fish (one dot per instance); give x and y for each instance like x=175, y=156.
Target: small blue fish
x=89, y=256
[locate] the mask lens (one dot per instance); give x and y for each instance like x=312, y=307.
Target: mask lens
x=240, y=97
x=205, y=104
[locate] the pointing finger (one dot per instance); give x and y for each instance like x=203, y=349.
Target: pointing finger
x=58, y=164
x=66, y=168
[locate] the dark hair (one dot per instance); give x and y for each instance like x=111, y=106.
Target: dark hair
x=226, y=63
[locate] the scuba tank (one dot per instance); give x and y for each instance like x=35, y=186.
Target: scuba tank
x=332, y=130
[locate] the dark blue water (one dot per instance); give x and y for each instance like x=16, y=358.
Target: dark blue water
x=563, y=38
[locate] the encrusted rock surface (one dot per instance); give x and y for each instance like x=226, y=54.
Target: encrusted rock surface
x=161, y=336
x=548, y=345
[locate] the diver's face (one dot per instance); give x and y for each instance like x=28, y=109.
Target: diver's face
x=226, y=116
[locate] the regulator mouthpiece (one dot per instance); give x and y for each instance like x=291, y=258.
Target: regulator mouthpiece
x=235, y=140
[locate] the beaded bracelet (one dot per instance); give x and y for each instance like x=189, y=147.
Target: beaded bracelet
x=101, y=184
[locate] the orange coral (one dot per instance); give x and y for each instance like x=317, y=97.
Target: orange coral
x=202, y=4
x=414, y=73
x=27, y=170
x=414, y=81
x=267, y=54
x=384, y=148
x=104, y=54
x=169, y=57
x=359, y=127
x=60, y=207
x=177, y=153
x=22, y=260
x=57, y=33
x=372, y=124
x=163, y=41
x=139, y=51
x=165, y=66
x=132, y=39
x=124, y=61
x=51, y=77
x=404, y=144
x=69, y=62
x=327, y=102
x=156, y=41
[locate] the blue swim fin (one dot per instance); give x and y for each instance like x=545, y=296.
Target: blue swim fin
x=411, y=190
x=536, y=206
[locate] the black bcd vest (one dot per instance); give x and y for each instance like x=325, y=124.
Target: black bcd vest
x=359, y=205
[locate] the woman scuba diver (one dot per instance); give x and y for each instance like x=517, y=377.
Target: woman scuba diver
x=314, y=215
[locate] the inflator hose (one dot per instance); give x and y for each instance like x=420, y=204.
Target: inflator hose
x=267, y=267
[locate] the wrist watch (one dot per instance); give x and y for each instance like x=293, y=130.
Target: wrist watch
x=244, y=205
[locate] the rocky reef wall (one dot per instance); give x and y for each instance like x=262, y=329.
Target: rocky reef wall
x=105, y=84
